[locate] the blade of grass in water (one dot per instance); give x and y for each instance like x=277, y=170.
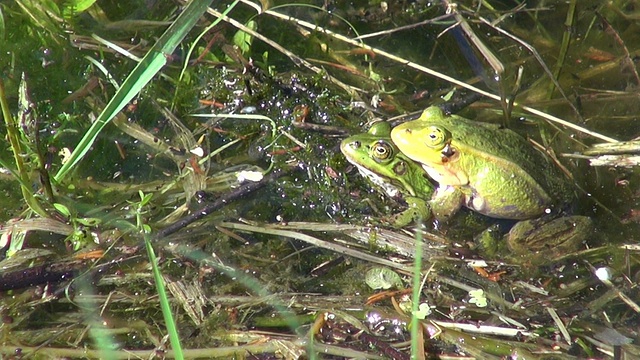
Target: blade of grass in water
x=150, y=65
x=174, y=337
x=22, y=171
x=417, y=350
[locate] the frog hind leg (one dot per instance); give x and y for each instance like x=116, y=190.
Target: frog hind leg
x=551, y=236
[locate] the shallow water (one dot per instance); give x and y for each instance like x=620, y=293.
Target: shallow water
x=597, y=76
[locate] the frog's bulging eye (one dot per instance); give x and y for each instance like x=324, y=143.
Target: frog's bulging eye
x=437, y=137
x=381, y=129
x=381, y=151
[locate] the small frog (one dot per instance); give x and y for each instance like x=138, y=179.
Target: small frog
x=391, y=172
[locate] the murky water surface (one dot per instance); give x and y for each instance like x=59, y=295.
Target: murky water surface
x=308, y=89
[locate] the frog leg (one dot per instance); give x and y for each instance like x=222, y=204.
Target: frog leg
x=491, y=241
x=551, y=236
x=418, y=210
x=445, y=202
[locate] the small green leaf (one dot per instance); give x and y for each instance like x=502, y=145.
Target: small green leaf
x=62, y=209
x=79, y=239
x=243, y=40
x=478, y=298
x=383, y=278
x=375, y=76
x=144, y=198
x=74, y=7
x=448, y=96
x=424, y=310
x=89, y=221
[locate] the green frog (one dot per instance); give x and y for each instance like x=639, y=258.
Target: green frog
x=391, y=172
x=487, y=168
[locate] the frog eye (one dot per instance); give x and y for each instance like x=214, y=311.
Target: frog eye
x=381, y=151
x=380, y=129
x=437, y=137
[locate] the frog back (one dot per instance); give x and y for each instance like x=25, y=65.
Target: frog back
x=498, y=160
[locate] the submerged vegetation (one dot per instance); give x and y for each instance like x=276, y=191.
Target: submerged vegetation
x=173, y=184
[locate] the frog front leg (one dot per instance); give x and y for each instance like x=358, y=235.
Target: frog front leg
x=446, y=201
x=418, y=210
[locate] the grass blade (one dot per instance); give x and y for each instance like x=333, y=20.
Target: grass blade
x=150, y=65
x=169, y=321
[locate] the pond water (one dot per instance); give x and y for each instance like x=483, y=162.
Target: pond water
x=311, y=74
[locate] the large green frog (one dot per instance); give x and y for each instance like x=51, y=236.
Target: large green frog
x=495, y=172
x=489, y=169
x=379, y=160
